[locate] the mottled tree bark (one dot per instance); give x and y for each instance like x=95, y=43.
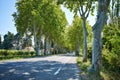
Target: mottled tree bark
x=36, y=42
x=48, y=46
x=45, y=46
x=84, y=14
x=77, y=51
x=85, y=33
x=97, y=40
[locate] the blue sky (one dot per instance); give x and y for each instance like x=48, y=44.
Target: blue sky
x=69, y=16
x=7, y=8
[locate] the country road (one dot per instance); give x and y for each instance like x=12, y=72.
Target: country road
x=56, y=67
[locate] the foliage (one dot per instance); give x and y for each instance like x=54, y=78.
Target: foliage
x=40, y=18
x=15, y=53
x=45, y=14
x=89, y=50
x=104, y=74
x=84, y=73
x=84, y=7
x=26, y=41
x=83, y=66
x=8, y=38
x=111, y=47
x=74, y=5
x=75, y=34
x=17, y=41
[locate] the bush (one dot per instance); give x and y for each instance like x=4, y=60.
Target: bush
x=111, y=61
x=111, y=43
x=10, y=53
x=3, y=53
x=89, y=52
x=32, y=53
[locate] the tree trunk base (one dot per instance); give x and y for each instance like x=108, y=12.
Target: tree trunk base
x=77, y=53
x=84, y=60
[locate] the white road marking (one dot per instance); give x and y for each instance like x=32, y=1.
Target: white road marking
x=59, y=69
x=26, y=73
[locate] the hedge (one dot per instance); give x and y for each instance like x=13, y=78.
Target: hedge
x=6, y=53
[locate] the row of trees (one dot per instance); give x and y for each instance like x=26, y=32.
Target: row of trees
x=74, y=35
x=44, y=18
x=41, y=18
x=84, y=7
x=110, y=34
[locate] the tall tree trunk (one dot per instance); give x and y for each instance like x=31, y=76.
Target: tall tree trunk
x=39, y=44
x=37, y=48
x=48, y=47
x=77, y=45
x=85, y=40
x=45, y=46
x=97, y=41
x=84, y=14
x=52, y=47
x=118, y=8
x=77, y=50
x=36, y=45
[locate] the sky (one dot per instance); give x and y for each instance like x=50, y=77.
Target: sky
x=69, y=16
x=7, y=8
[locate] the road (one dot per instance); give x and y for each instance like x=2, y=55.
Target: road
x=56, y=67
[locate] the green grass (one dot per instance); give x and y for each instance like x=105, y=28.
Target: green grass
x=104, y=75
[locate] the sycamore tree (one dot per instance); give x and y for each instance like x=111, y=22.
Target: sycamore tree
x=103, y=6
x=83, y=7
x=55, y=23
x=25, y=19
x=39, y=17
x=75, y=35
x=97, y=28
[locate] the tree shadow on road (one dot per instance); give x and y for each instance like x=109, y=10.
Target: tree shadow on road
x=37, y=70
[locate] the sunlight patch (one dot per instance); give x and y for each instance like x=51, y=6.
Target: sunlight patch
x=26, y=73
x=35, y=70
x=11, y=70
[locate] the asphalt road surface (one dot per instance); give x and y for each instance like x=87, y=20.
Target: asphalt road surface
x=56, y=67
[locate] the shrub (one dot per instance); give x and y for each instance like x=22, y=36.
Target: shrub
x=32, y=53
x=3, y=53
x=111, y=61
x=9, y=53
x=89, y=50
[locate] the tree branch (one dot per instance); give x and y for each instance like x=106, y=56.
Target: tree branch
x=82, y=9
x=87, y=13
x=86, y=9
x=80, y=12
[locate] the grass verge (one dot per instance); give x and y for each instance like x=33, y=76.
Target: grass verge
x=104, y=75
